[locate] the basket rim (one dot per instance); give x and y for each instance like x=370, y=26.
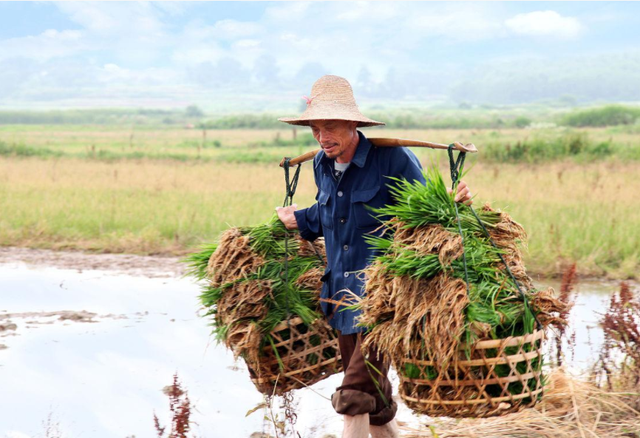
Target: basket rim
x=511, y=341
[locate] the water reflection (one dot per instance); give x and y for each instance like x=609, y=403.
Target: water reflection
x=104, y=379
x=592, y=300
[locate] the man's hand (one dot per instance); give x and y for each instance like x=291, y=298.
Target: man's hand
x=464, y=194
x=285, y=214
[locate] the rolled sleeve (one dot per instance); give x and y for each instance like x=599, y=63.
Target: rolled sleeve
x=308, y=222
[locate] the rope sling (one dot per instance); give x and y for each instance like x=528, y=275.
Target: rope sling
x=456, y=166
x=291, y=185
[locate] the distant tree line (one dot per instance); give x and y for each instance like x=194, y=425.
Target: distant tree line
x=610, y=115
x=105, y=116
x=463, y=118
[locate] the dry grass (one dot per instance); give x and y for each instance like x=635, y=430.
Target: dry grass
x=570, y=408
x=145, y=207
x=571, y=212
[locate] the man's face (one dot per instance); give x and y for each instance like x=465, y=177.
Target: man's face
x=335, y=136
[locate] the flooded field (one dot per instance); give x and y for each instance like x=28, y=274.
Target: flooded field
x=89, y=351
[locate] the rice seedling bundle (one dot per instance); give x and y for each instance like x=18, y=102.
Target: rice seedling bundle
x=262, y=290
x=459, y=351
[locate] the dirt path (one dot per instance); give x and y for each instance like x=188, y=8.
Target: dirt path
x=145, y=266
x=14, y=323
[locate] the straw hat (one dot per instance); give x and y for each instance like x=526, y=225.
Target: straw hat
x=331, y=99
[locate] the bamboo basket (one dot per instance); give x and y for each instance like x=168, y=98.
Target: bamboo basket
x=300, y=356
x=497, y=377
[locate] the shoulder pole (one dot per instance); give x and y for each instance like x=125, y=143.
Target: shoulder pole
x=390, y=142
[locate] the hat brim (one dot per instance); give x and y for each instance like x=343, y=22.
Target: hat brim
x=364, y=122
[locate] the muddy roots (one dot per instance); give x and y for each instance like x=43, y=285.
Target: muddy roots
x=233, y=259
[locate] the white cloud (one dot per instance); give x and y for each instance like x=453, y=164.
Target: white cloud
x=454, y=23
x=123, y=44
x=232, y=29
x=545, y=23
x=362, y=10
x=49, y=44
x=16, y=434
x=116, y=18
x=289, y=12
x=246, y=44
x=340, y=36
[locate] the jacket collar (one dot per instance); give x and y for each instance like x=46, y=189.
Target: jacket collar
x=360, y=157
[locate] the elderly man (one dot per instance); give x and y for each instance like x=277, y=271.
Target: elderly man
x=352, y=176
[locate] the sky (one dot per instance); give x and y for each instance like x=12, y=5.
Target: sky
x=258, y=55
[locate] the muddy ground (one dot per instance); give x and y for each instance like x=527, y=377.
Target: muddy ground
x=144, y=266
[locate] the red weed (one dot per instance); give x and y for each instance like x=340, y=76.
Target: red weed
x=620, y=353
x=568, y=297
x=180, y=409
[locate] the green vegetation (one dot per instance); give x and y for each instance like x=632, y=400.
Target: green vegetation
x=460, y=118
x=610, y=115
x=401, y=117
x=20, y=150
x=113, y=144
x=543, y=147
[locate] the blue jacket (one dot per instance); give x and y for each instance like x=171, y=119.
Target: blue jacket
x=341, y=216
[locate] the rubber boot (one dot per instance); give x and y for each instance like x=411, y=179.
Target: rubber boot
x=356, y=426
x=389, y=430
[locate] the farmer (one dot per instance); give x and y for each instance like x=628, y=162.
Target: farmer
x=351, y=176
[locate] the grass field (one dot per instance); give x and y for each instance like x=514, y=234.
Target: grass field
x=117, y=142
x=582, y=211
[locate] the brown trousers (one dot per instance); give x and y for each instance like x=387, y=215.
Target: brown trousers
x=365, y=387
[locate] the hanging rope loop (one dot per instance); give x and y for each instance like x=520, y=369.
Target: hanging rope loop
x=455, y=166
x=291, y=184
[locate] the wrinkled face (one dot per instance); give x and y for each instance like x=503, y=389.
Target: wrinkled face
x=335, y=136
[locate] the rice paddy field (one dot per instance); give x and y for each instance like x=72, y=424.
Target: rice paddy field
x=165, y=191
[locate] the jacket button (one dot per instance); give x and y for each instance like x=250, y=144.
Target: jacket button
x=346, y=274
x=340, y=193
x=346, y=247
x=342, y=220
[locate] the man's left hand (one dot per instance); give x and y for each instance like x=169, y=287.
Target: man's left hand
x=464, y=194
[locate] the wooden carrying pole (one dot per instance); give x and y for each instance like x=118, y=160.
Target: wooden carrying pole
x=390, y=142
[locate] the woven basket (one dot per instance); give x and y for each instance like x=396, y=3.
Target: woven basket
x=499, y=376
x=305, y=355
